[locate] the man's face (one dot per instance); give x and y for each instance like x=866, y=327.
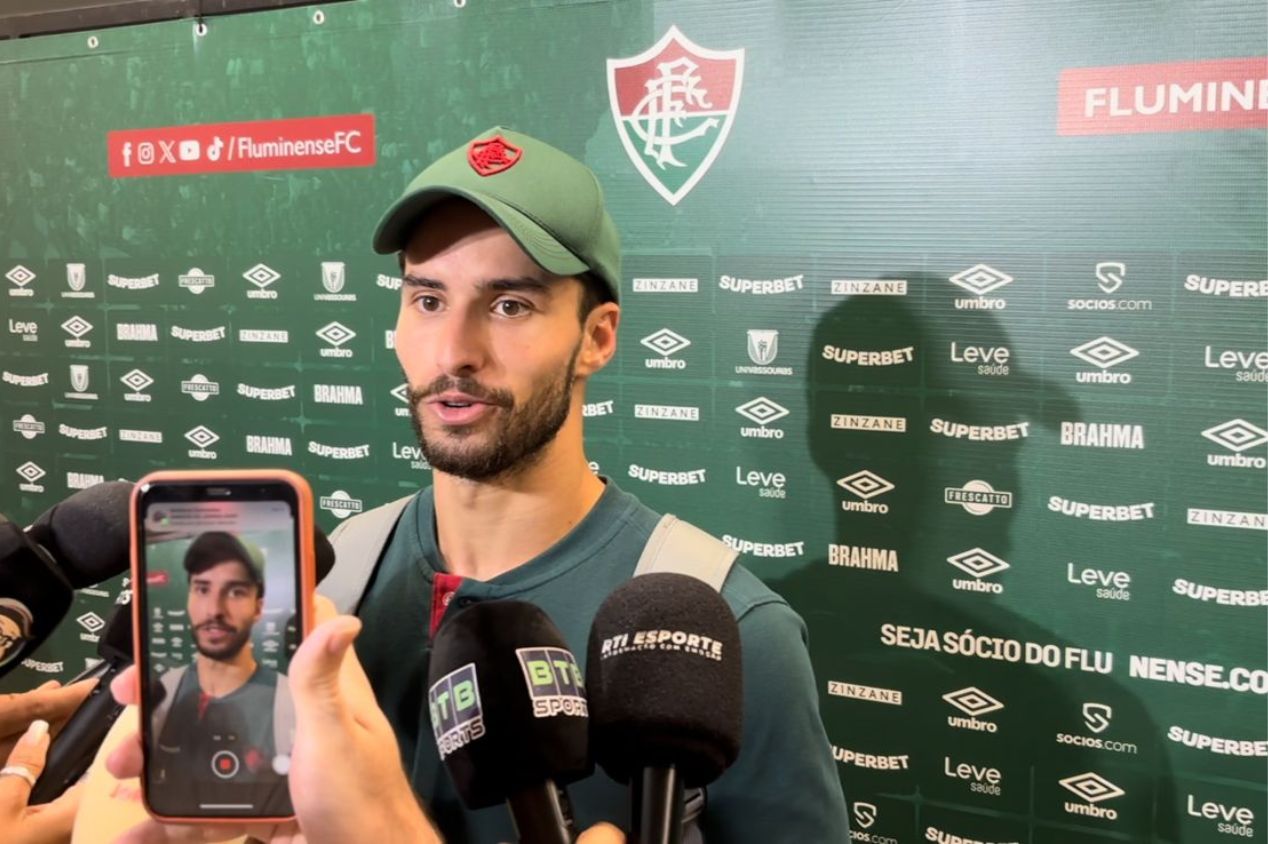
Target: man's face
x=224, y=604
x=488, y=341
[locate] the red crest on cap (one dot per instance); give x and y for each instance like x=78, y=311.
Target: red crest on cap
x=492, y=156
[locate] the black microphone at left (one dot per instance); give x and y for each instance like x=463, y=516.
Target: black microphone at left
x=77, y=542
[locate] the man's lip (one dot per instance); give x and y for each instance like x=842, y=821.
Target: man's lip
x=456, y=397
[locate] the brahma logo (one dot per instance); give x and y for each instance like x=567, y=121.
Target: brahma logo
x=336, y=335
x=136, y=332
x=979, y=563
x=977, y=498
x=665, y=343
x=763, y=411
x=340, y=504
x=30, y=473
x=196, y=281
x=979, y=280
x=1103, y=435
x=21, y=277
x=973, y=702
x=1092, y=788
x=674, y=101
x=345, y=394
x=1237, y=435
x=1104, y=353
x=262, y=444
x=83, y=480
x=866, y=485
x=863, y=557
x=262, y=276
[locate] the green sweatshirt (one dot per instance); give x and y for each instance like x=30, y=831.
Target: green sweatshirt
x=783, y=786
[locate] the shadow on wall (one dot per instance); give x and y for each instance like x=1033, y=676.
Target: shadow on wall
x=932, y=600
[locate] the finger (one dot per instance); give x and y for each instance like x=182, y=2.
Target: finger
x=604, y=833
x=46, y=703
x=28, y=754
x=53, y=821
x=126, y=687
x=316, y=668
x=323, y=609
x=126, y=760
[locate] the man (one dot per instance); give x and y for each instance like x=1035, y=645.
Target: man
x=217, y=726
x=509, y=305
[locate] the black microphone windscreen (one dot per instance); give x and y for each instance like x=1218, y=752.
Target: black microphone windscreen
x=324, y=553
x=507, y=702
x=87, y=534
x=663, y=671
x=33, y=595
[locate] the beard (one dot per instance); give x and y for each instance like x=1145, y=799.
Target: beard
x=517, y=437
x=227, y=651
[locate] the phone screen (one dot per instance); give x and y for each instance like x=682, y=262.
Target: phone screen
x=219, y=614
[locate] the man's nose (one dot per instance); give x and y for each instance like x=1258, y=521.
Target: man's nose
x=462, y=344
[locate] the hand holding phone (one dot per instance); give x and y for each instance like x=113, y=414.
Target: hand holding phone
x=346, y=776
x=223, y=578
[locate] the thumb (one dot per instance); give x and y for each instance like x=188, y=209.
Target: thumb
x=315, y=669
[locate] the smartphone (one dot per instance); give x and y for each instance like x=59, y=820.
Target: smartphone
x=223, y=578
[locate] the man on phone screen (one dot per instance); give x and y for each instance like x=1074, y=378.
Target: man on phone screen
x=215, y=728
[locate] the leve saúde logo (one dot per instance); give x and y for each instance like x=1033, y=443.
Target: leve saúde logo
x=674, y=106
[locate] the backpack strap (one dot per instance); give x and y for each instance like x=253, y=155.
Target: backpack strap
x=682, y=548
x=171, y=681
x=358, y=543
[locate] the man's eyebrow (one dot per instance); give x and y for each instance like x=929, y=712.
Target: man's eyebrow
x=523, y=283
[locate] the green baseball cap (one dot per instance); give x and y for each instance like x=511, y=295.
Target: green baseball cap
x=547, y=200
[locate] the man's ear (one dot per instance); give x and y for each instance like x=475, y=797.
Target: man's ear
x=598, y=340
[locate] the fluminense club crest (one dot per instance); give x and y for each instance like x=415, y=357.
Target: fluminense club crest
x=674, y=105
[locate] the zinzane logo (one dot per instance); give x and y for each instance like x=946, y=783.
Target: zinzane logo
x=554, y=682
x=675, y=101
x=454, y=705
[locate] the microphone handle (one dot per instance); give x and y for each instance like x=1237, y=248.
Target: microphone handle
x=656, y=803
x=72, y=752
x=542, y=814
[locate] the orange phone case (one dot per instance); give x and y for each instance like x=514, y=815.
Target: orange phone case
x=307, y=584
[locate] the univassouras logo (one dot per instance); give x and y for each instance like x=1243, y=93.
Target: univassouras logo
x=676, y=641
x=688, y=477
x=1101, y=512
x=554, y=682
x=454, y=705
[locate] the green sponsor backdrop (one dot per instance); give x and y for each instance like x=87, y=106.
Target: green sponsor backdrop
x=911, y=470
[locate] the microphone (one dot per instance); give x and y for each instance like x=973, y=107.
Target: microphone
x=78, y=542
x=72, y=751
x=666, y=690
x=508, y=710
